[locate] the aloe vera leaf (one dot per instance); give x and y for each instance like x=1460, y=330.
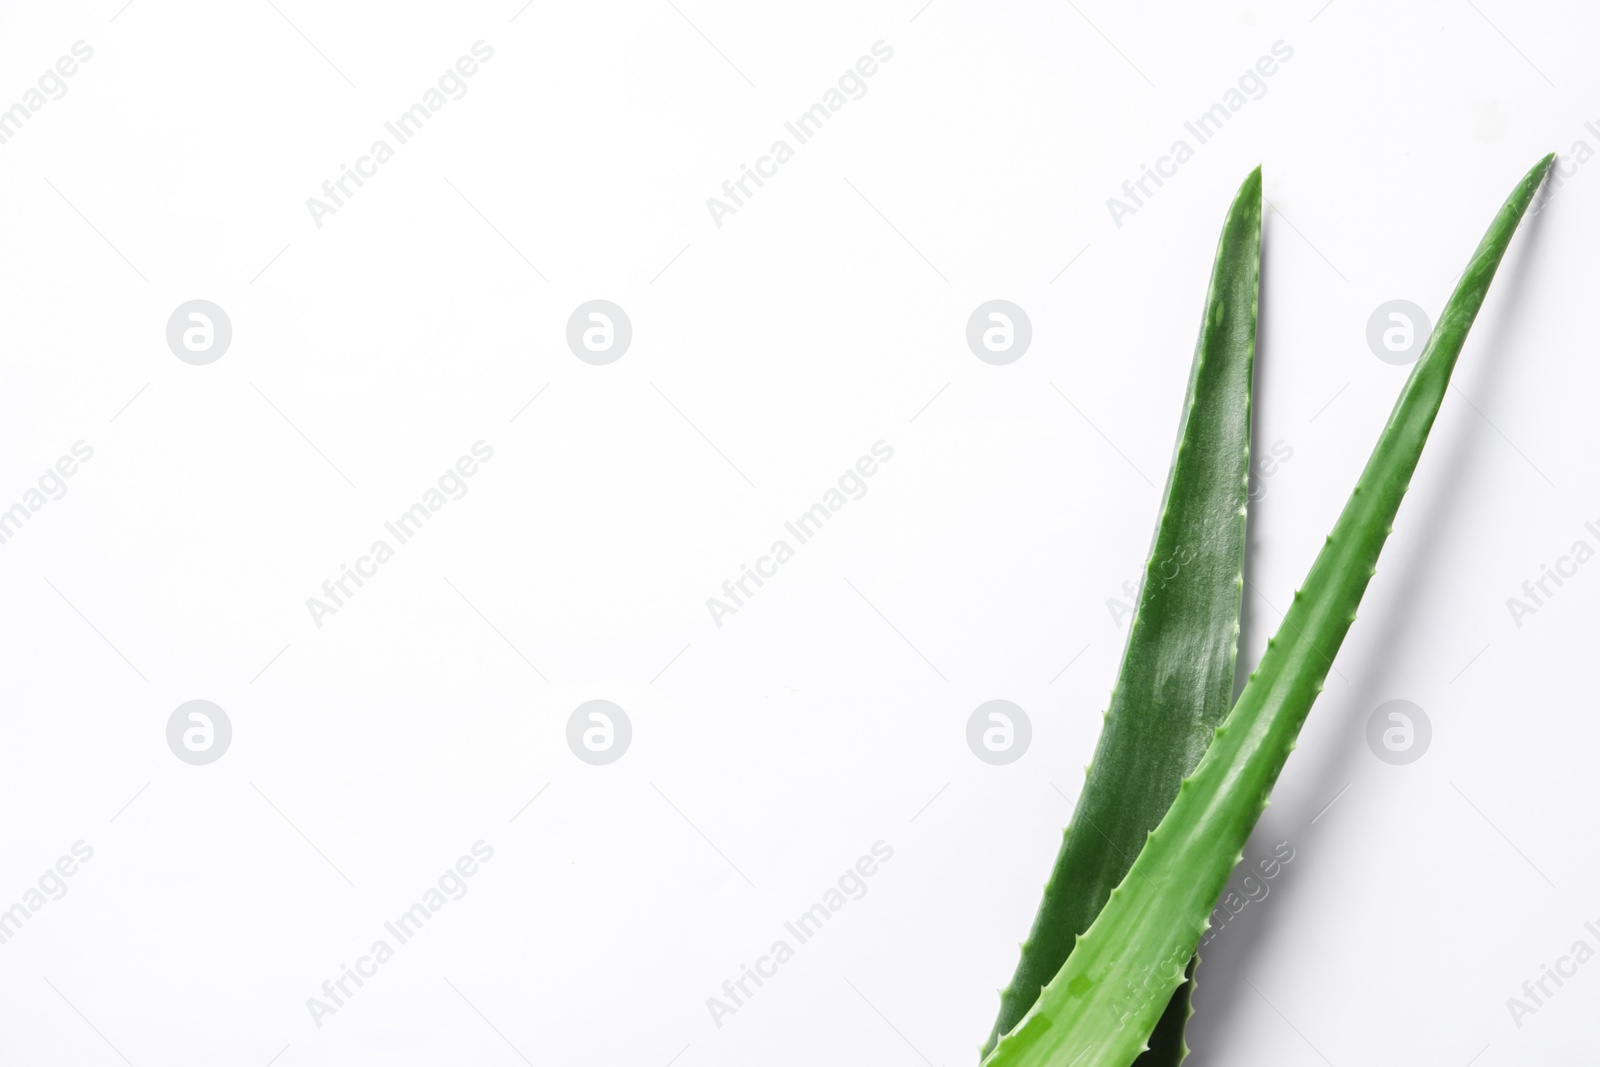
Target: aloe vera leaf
x=1101, y=1007
x=1177, y=673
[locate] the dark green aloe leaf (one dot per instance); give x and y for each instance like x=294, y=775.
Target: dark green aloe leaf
x=1177, y=670
x=1167, y=1047
x=1101, y=1007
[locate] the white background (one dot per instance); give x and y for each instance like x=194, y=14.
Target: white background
x=768, y=354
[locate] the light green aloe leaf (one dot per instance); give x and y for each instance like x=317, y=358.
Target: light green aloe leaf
x=1101, y=1007
x=1177, y=673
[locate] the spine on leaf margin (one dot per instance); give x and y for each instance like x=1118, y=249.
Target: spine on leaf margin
x=1177, y=673
x=1101, y=1007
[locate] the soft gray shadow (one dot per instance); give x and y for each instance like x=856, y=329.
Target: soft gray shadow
x=1221, y=990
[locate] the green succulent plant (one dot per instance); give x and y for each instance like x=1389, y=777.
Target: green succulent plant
x=1177, y=675
x=1169, y=802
